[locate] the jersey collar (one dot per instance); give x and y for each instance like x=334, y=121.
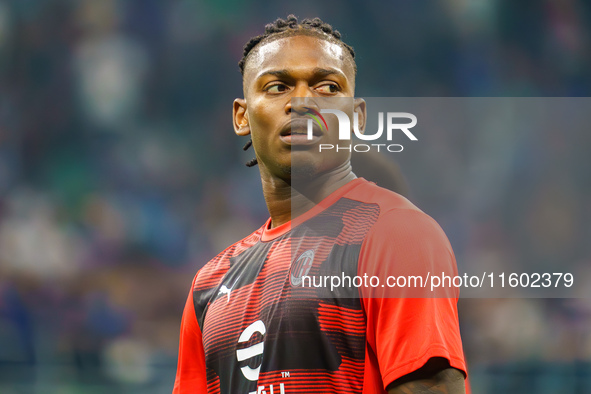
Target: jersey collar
x=270, y=234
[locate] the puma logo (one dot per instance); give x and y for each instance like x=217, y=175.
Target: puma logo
x=225, y=290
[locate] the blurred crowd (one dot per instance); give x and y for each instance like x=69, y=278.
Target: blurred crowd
x=120, y=175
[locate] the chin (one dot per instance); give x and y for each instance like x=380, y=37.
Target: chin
x=305, y=165
x=303, y=171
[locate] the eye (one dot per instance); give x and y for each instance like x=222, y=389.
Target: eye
x=277, y=88
x=328, y=88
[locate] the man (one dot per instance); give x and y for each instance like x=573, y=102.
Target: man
x=250, y=325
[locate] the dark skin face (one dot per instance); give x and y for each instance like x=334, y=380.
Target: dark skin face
x=291, y=67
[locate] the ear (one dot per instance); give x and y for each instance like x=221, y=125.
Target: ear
x=360, y=108
x=240, y=117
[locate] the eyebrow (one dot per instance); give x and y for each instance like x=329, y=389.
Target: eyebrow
x=317, y=71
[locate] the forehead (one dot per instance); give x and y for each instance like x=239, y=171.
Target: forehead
x=297, y=53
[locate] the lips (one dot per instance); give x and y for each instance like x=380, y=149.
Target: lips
x=295, y=132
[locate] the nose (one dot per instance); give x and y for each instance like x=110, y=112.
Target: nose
x=302, y=97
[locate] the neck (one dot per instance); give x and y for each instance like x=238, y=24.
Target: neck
x=288, y=198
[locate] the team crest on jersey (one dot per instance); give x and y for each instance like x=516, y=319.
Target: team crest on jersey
x=301, y=266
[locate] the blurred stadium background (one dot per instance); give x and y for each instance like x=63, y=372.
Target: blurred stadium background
x=120, y=175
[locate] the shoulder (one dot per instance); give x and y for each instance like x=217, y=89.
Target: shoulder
x=214, y=270
x=370, y=193
x=403, y=240
x=398, y=219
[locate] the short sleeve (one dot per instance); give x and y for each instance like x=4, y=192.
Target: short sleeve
x=406, y=326
x=190, y=374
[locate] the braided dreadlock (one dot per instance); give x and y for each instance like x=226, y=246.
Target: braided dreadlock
x=291, y=27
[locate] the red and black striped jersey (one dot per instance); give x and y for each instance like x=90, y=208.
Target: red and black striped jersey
x=262, y=318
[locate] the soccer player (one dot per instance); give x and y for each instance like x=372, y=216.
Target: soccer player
x=249, y=324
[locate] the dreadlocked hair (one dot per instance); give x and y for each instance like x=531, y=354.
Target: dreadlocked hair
x=287, y=27
x=252, y=162
x=291, y=26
